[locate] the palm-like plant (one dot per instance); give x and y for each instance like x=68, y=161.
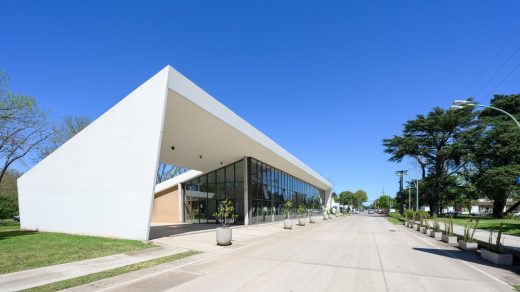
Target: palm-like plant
x=448, y=227
x=436, y=225
x=287, y=208
x=469, y=230
x=301, y=210
x=498, y=247
x=224, y=214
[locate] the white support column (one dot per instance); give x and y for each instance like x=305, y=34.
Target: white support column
x=180, y=203
x=246, y=193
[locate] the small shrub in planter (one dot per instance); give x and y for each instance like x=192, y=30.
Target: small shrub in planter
x=325, y=215
x=447, y=235
x=468, y=242
x=436, y=228
x=301, y=211
x=287, y=222
x=495, y=252
x=225, y=216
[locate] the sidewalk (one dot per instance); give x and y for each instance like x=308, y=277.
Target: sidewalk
x=509, y=241
x=46, y=275
x=199, y=240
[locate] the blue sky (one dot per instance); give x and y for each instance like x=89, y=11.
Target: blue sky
x=326, y=80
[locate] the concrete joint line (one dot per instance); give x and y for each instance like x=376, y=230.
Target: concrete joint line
x=459, y=260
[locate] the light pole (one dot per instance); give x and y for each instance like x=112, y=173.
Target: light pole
x=417, y=184
x=400, y=174
x=460, y=104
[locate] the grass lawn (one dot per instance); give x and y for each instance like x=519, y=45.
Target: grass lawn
x=22, y=250
x=511, y=226
x=394, y=220
x=110, y=273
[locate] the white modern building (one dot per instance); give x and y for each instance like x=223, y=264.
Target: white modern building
x=102, y=181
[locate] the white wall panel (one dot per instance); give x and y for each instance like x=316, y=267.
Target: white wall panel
x=101, y=182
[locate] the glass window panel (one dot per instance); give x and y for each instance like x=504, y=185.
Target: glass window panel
x=265, y=192
x=203, y=179
x=230, y=173
x=230, y=192
x=221, y=191
x=220, y=175
x=239, y=171
x=239, y=190
x=211, y=177
x=211, y=191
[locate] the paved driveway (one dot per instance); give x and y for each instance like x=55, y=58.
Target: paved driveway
x=356, y=253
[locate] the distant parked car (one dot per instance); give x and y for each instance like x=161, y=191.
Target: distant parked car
x=392, y=211
x=16, y=218
x=370, y=212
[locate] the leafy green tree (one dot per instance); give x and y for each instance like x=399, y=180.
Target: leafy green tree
x=8, y=207
x=436, y=141
x=359, y=198
x=23, y=126
x=495, y=152
x=346, y=198
x=385, y=202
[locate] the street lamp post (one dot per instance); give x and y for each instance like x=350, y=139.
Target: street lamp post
x=460, y=104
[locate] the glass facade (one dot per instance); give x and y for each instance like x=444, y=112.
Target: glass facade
x=203, y=194
x=268, y=190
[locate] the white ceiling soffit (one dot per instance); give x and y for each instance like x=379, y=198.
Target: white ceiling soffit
x=197, y=125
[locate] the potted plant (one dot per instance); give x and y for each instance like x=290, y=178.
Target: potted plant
x=301, y=211
x=312, y=219
x=423, y=221
x=325, y=216
x=287, y=222
x=436, y=229
x=225, y=216
x=467, y=242
x=417, y=217
x=495, y=252
x=330, y=214
x=447, y=235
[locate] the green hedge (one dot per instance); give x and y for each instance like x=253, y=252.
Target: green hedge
x=8, y=207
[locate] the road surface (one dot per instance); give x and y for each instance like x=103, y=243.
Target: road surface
x=355, y=253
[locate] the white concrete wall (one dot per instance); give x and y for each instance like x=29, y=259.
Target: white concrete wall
x=101, y=182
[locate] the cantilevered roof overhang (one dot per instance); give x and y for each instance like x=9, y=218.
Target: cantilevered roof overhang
x=102, y=181
x=205, y=135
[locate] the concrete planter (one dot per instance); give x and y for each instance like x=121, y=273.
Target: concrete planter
x=497, y=258
x=431, y=233
x=416, y=227
x=287, y=224
x=325, y=217
x=437, y=235
x=451, y=240
x=423, y=230
x=469, y=246
x=428, y=231
x=312, y=219
x=224, y=236
x=410, y=224
x=330, y=216
x=302, y=221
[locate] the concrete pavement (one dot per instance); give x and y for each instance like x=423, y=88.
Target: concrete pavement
x=50, y=274
x=356, y=253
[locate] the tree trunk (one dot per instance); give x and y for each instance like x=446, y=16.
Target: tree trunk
x=512, y=208
x=499, y=203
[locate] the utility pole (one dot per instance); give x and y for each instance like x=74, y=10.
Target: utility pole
x=417, y=184
x=401, y=174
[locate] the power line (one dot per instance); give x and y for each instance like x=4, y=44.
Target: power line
x=498, y=71
x=492, y=59
x=505, y=78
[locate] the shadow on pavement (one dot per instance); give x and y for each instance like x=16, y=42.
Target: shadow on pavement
x=473, y=257
x=177, y=229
